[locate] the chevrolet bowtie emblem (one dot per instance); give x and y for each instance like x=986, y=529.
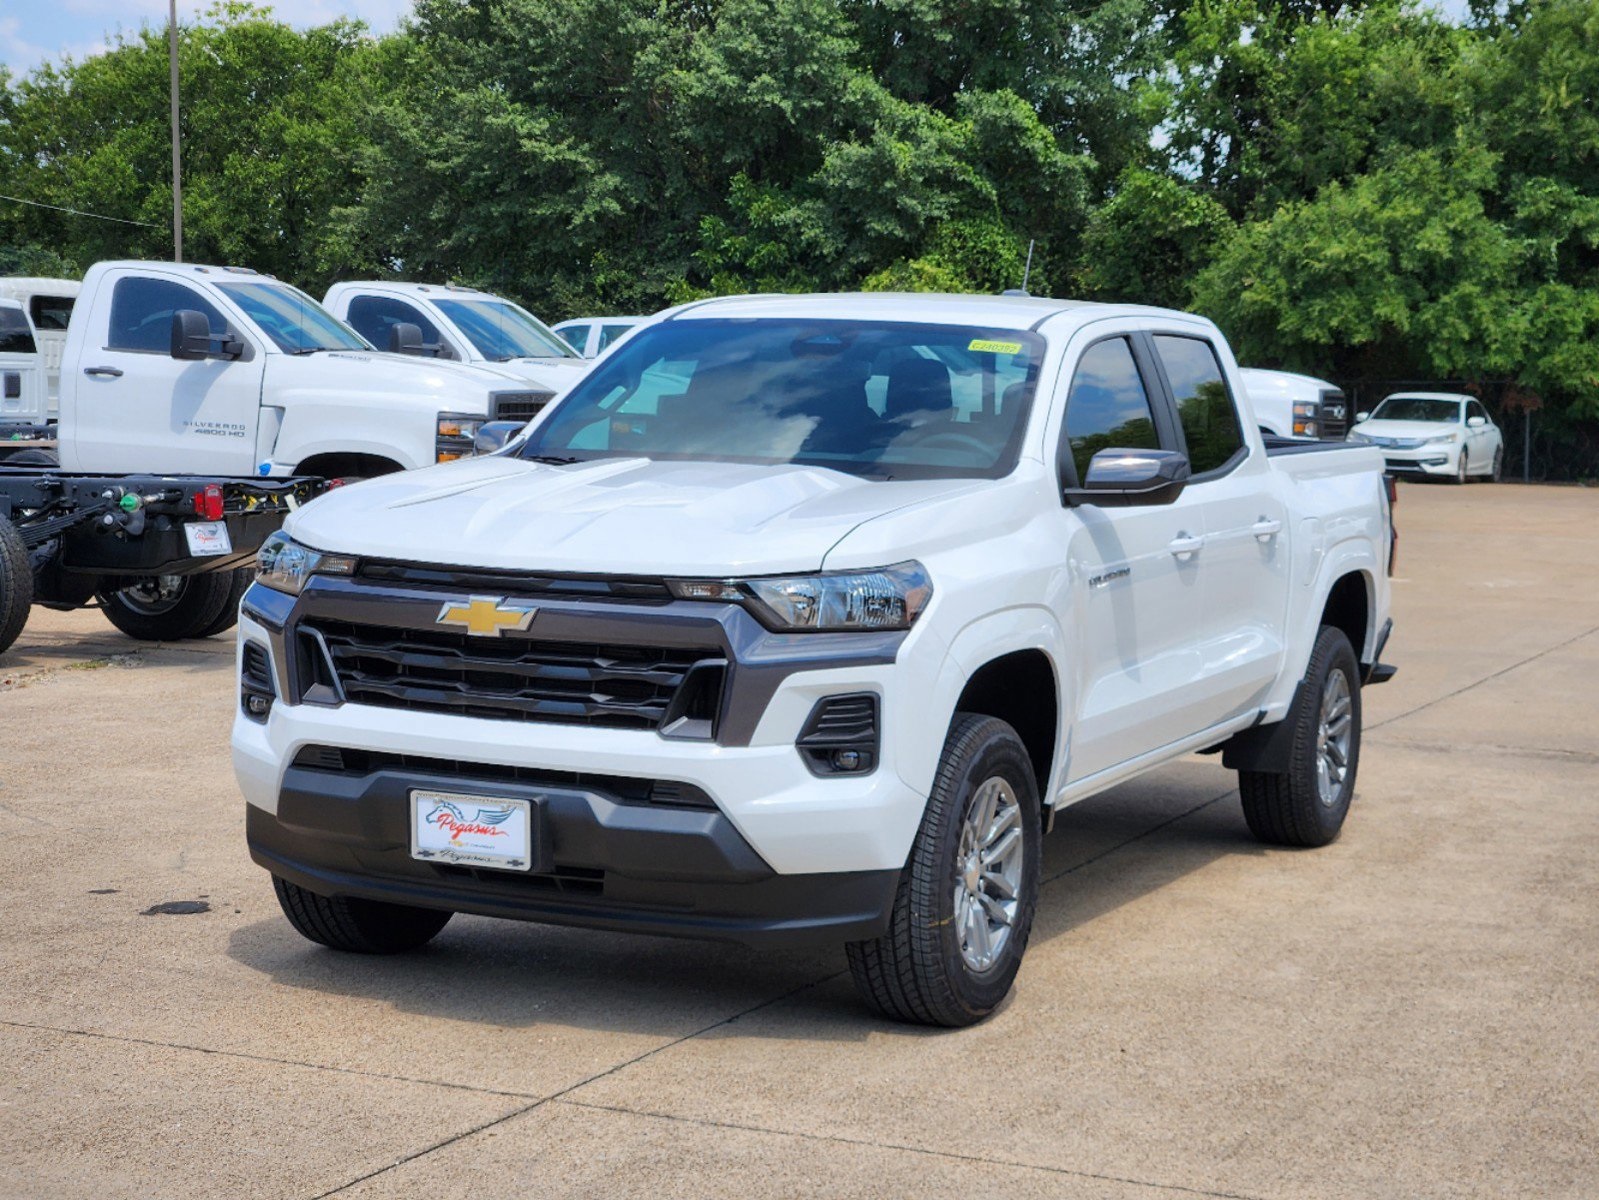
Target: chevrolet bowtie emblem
x=487, y=616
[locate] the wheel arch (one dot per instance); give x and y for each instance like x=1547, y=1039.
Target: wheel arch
x=1021, y=689
x=340, y=464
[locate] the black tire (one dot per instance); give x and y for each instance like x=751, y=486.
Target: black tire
x=916, y=971
x=16, y=584
x=242, y=578
x=1287, y=809
x=196, y=606
x=33, y=458
x=357, y=926
x=1498, y=471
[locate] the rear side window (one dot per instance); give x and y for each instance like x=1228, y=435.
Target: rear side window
x=1107, y=405
x=373, y=317
x=1204, y=406
x=141, y=313
x=15, y=336
x=609, y=333
x=51, y=313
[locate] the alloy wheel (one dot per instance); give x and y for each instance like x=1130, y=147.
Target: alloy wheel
x=1334, y=736
x=988, y=873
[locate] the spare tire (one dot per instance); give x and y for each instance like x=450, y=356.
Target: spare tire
x=170, y=608
x=16, y=584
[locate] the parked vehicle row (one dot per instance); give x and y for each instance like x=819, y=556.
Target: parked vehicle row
x=798, y=619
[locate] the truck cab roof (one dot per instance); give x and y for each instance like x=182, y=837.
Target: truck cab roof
x=942, y=308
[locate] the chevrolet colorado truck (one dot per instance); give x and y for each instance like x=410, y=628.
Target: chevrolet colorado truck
x=192, y=369
x=800, y=618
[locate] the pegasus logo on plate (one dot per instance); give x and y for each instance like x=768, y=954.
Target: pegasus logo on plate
x=487, y=616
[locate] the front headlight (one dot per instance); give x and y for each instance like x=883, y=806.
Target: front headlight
x=454, y=435
x=1305, y=414
x=1360, y=438
x=884, y=598
x=1440, y=440
x=282, y=563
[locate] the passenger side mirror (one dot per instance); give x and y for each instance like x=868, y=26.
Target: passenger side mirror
x=1123, y=478
x=1362, y=416
x=1475, y=422
x=494, y=435
x=192, y=338
x=405, y=338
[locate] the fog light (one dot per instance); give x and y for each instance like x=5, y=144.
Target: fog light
x=846, y=760
x=259, y=706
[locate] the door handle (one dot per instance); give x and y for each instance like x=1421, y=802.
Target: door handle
x=1266, y=528
x=1185, y=545
x=113, y=372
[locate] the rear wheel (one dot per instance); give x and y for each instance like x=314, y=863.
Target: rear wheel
x=966, y=898
x=16, y=584
x=357, y=926
x=170, y=608
x=242, y=578
x=1306, y=804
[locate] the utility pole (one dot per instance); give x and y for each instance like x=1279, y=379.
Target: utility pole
x=177, y=165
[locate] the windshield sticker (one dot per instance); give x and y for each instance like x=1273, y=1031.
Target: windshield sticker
x=978, y=344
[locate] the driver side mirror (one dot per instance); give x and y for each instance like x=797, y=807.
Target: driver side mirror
x=405, y=338
x=192, y=338
x=494, y=435
x=1122, y=478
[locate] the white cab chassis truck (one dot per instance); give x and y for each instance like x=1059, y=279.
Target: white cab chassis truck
x=798, y=620
x=195, y=369
x=1296, y=406
x=441, y=320
x=47, y=305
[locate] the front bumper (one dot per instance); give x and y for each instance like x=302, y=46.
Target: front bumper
x=777, y=851
x=1423, y=460
x=622, y=866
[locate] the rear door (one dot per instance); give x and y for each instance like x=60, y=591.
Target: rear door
x=1133, y=576
x=137, y=408
x=1244, y=563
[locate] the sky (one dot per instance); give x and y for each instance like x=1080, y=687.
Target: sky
x=32, y=31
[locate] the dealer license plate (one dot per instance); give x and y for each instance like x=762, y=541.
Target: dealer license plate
x=207, y=538
x=472, y=831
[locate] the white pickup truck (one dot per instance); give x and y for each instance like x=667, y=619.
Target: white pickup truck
x=441, y=320
x=1289, y=405
x=261, y=381
x=801, y=618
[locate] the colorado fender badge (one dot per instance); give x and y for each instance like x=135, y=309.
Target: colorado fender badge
x=487, y=616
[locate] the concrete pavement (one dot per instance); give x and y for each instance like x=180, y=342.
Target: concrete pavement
x=1413, y=1011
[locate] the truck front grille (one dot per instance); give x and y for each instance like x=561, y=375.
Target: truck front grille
x=519, y=406
x=1334, y=414
x=518, y=679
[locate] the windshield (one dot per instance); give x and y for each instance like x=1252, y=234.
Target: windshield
x=1416, y=408
x=884, y=400
x=297, y=323
x=501, y=331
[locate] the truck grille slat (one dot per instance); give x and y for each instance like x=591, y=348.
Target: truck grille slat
x=631, y=687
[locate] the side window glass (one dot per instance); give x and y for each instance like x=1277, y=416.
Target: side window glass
x=373, y=316
x=141, y=313
x=1107, y=405
x=1208, y=415
x=51, y=312
x=609, y=333
x=1476, y=410
x=15, y=336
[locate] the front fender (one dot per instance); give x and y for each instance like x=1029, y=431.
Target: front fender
x=404, y=433
x=924, y=725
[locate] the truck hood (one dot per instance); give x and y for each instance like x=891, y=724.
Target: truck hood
x=610, y=517
x=440, y=384
x=548, y=374
x=1405, y=429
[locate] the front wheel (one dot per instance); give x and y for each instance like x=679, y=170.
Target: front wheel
x=1461, y=475
x=1306, y=804
x=171, y=608
x=966, y=898
x=1498, y=471
x=357, y=926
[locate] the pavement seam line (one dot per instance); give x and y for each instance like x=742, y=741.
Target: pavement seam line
x=909, y=1149
x=1088, y=862
x=1515, y=666
x=263, y=1058
x=557, y=1095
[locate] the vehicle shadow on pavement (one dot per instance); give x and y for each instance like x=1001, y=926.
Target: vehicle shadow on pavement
x=1104, y=853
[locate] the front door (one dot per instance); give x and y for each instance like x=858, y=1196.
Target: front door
x=1134, y=574
x=137, y=408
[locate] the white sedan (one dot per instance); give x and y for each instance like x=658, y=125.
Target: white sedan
x=1434, y=433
